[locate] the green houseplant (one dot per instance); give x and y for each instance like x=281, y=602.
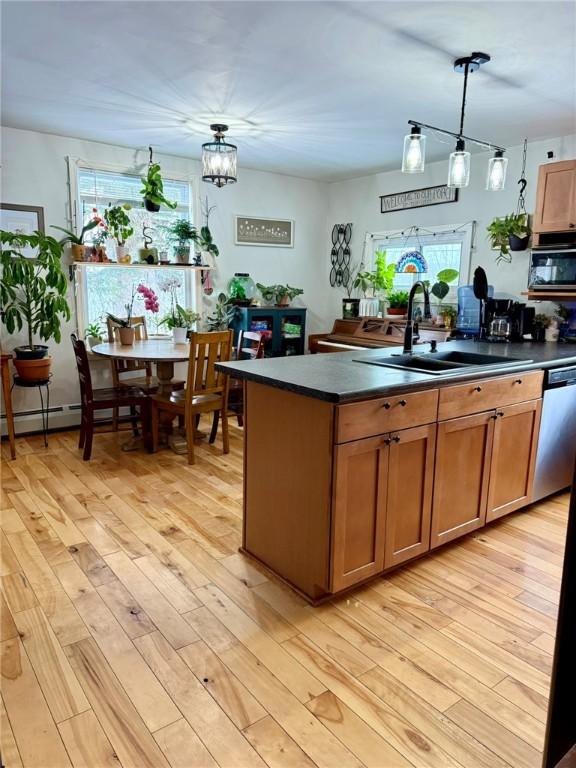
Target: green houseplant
x=510, y=233
x=119, y=226
x=281, y=295
x=397, y=302
x=77, y=246
x=33, y=296
x=179, y=321
x=153, y=190
x=93, y=334
x=182, y=233
x=223, y=314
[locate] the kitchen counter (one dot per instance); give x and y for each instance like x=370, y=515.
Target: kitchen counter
x=338, y=378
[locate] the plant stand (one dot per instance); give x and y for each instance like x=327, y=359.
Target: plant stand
x=44, y=403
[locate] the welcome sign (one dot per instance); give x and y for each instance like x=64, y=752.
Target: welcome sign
x=418, y=198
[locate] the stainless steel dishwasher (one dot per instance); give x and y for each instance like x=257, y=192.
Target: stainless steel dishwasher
x=557, y=441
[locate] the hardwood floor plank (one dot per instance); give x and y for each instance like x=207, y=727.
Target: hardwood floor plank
x=61, y=689
x=8, y=560
x=86, y=742
x=8, y=628
x=128, y=735
x=35, y=732
x=238, y=703
x=355, y=733
x=512, y=749
x=97, y=536
x=10, y=754
x=129, y=614
x=178, y=594
x=18, y=592
x=63, y=617
x=174, y=628
x=525, y=698
x=244, y=570
x=545, y=642
x=302, y=684
x=182, y=747
x=275, y=747
x=92, y=564
x=226, y=743
x=211, y=629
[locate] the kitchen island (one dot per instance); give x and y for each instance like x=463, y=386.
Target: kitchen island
x=352, y=468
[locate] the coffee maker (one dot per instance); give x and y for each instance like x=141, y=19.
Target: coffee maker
x=507, y=320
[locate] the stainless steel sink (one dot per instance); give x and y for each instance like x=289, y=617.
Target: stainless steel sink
x=442, y=363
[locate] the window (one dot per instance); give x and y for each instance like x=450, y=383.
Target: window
x=103, y=288
x=442, y=248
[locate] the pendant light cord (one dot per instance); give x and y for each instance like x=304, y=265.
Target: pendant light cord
x=463, y=108
x=521, y=207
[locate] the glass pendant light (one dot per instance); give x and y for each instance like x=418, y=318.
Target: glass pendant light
x=414, y=151
x=496, y=176
x=459, y=167
x=219, y=159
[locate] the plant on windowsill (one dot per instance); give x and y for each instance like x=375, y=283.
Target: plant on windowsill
x=33, y=296
x=120, y=227
x=398, y=303
x=281, y=295
x=182, y=233
x=153, y=190
x=77, y=246
x=93, y=334
x=512, y=233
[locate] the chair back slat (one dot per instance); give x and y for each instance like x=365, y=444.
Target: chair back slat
x=207, y=349
x=83, y=366
x=120, y=367
x=250, y=345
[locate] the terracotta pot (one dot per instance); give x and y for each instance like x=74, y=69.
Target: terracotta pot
x=126, y=336
x=399, y=311
x=284, y=301
x=33, y=370
x=78, y=251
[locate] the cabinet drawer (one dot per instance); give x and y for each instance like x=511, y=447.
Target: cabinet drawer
x=485, y=394
x=386, y=414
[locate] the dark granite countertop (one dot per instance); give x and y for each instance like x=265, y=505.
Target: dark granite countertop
x=339, y=378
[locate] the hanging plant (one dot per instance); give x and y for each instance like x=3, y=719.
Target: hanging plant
x=153, y=188
x=512, y=233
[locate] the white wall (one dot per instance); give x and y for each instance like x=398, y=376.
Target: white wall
x=35, y=173
x=358, y=201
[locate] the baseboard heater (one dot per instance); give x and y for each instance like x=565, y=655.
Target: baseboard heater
x=59, y=417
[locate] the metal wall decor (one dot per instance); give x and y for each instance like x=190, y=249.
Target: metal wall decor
x=340, y=255
x=418, y=198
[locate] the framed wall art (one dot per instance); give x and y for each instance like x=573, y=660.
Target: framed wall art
x=23, y=219
x=275, y=233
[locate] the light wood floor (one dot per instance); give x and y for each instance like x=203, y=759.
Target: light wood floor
x=134, y=634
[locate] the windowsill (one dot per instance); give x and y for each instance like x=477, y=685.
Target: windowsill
x=111, y=264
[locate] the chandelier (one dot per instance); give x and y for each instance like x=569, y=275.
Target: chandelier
x=413, y=158
x=219, y=158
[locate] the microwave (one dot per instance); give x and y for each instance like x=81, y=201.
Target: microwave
x=552, y=268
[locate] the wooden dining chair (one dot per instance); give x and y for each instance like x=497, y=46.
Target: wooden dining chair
x=250, y=347
x=123, y=371
x=111, y=398
x=206, y=390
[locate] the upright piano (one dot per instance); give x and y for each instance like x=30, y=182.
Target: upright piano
x=370, y=333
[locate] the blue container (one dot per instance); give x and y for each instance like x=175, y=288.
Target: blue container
x=468, y=320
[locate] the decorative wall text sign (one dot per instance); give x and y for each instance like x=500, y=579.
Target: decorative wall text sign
x=278, y=233
x=418, y=198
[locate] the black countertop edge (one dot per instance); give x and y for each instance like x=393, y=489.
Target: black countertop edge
x=339, y=377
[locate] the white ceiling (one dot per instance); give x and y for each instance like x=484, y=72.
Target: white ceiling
x=315, y=89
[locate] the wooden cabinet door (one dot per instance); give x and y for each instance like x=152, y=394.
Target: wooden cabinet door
x=513, y=458
x=463, y=450
x=409, y=493
x=358, y=511
x=556, y=197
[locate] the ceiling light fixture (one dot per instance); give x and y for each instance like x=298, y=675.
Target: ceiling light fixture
x=219, y=158
x=459, y=165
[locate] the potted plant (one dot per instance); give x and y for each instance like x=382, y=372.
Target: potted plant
x=397, y=303
x=223, y=314
x=350, y=304
x=379, y=280
x=511, y=233
x=449, y=315
x=77, y=245
x=153, y=190
x=541, y=322
x=182, y=233
x=33, y=295
x=126, y=329
x=120, y=227
x=241, y=289
x=93, y=334
x=281, y=295
x=179, y=321
x=441, y=287
x=206, y=244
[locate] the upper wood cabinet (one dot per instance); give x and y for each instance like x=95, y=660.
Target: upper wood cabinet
x=556, y=197
x=463, y=450
x=516, y=432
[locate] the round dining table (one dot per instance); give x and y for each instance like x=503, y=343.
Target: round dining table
x=163, y=354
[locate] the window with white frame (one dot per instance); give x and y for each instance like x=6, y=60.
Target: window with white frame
x=103, y=288
x=441, y=248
